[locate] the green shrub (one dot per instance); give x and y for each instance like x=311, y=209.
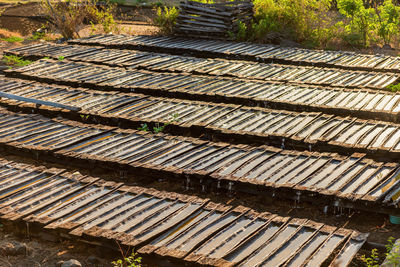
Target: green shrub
x=387, y=20
x=12, y=60
x=392, y=256
x=373, y=260
x=394, y=87
x=13, y=39
x=104, y=16
x=392, y=252
x=128, y=261
x=241, y=34
x=307, y=21
x=359, y=30
x=166, y=19
x=158, y=128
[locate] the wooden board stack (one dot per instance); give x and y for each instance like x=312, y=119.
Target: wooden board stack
x=212, y=20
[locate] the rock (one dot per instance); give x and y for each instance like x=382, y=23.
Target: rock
x=93, y=260
x=289, y=43
x=61, y=40
x=42, y=30
x=59, y=264
x=71, y=263
x=386, y=46
x=14, y=248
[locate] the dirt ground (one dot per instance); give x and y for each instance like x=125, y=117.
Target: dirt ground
x=25, y=19
x=43, y=253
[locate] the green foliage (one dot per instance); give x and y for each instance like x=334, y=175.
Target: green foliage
x=158, y=4
x=166, y=19
x=361, y=21
x=104, y=16
x=387, y=20
x=61, y=58
x=84, y=117
x=130, y=261
x=392, y=256
x=314, y=23
x=242, y=32
x=392, y=252
x=41, y=34
x=394, y=87
x=38, y=36
x=373, y=260
x=13, y=39
x=12, y=60
x=158, y=128
x=144, y=127
x=300, y=20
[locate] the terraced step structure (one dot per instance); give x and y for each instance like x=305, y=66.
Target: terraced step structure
x=312, y=131
x=247, y=51
x=366, y=104
x=167, y=226
x=353, y=182
x=246, y=70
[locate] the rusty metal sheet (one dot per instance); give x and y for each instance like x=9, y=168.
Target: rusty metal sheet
x=279, y=128
x=154, y=61
x=163, y=224
x=269, y=167
x=362, y=103
x=248, y=51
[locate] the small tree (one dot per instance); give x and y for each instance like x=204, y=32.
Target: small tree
x=388, y=20
x=166, y=19
x=361, y=20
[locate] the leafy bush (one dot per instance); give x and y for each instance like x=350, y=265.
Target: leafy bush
x=392, y=256
x=392, y=252
x=158, y=128
x=166, y=19
x=361, y=21
x=13, y=39
x=373, y=260
x=312, y=23
x=388, y=21
x=241, y=34
x=128, y=261
x=104, y=16
x=394, y=87
x=300, y=20
x=12, y=60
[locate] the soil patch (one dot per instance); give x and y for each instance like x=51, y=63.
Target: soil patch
x=44, y=253
x=24, y=18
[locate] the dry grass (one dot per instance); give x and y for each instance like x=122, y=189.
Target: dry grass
x=7, y=34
